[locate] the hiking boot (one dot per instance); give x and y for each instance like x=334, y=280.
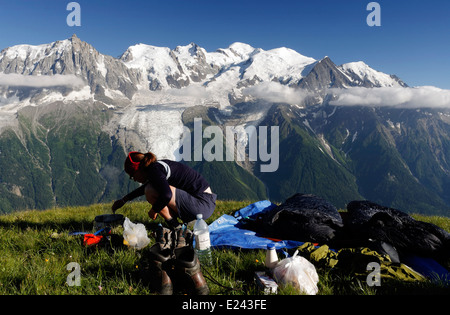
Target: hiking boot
x=187, y=267
x=160, y=267
x=163, y=237
x=189, y=237
x=179, y=236
x=184, y=237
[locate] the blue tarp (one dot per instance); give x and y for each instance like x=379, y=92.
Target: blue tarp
x=225, y=231
x=428, y=268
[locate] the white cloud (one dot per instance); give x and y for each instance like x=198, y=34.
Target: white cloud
x=42, y=81
x=416, y=97
x=277, y=93
x=191, y=91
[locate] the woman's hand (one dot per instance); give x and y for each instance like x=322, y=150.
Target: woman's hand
x=152, y=214
x=117, y=205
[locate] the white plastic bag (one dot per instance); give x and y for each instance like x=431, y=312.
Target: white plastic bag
x=135, y=235
x=298, y=272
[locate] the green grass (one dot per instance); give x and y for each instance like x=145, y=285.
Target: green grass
x=35, y=249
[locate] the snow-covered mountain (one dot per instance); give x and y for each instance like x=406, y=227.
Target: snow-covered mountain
x=363, y=75
x=145, y=67
x=145, y=76
x=165, y=68
x=70, y=57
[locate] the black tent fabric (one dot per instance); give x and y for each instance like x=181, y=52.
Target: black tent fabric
x=302, y=217
x=368, y=220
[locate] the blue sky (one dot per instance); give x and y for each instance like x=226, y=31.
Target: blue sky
x=412, y=42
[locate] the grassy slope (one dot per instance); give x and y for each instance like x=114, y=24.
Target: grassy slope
x=35, y=250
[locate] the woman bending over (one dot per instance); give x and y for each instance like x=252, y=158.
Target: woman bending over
x=173, y=189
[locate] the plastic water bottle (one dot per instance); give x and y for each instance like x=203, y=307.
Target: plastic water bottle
x=271, y=257
x=202, y=241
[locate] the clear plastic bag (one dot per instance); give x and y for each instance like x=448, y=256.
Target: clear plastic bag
x=298, y=272
x=135, y=235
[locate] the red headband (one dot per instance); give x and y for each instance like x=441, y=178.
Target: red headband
x=134, y=165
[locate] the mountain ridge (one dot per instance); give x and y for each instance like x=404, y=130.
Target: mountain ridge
x=35, y=60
